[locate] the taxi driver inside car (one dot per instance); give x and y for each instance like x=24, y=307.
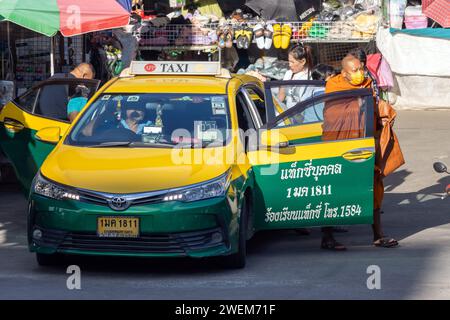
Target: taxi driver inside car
x=152, y=167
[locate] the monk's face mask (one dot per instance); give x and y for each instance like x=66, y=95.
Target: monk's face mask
x=356, y=78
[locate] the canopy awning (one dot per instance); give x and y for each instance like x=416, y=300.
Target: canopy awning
x=70, y=17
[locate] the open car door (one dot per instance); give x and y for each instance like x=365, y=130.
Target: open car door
x=320, y=172
x=21, y=118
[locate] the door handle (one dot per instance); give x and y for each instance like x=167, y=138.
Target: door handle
x=12, y=125
x=359, y=155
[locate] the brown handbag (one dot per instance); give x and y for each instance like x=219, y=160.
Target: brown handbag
x=390, y=156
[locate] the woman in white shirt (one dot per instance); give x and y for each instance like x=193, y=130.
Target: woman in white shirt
x=300, y=66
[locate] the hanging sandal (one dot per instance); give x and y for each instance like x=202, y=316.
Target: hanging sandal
x=258, y=31
x=286, y=34
x=385, y=243
x=229, y=36
x=268, y=34
x=221, y=38
x=248, y=35
x=238, y=36
x=332, y=244
x=277, y=36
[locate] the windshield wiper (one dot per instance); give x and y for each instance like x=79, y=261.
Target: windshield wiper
x=127, y=144
x=112, y=144
x=151, y=145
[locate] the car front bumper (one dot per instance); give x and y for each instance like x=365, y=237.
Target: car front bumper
x=168, y=229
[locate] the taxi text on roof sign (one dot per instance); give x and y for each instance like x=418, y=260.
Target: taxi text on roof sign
x=175, y=68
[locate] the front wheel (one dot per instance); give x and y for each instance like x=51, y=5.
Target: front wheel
x=238, y=259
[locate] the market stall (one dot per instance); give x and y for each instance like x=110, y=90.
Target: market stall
x=40, y=38
x=260, y=28
x=417, y=49
x=247, y=32
x=425, y=83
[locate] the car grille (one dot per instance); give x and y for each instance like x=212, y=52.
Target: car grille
x=139, y=199
x=171, y=243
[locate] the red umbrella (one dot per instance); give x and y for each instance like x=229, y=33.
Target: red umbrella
x=438, y=10
x=71, y=17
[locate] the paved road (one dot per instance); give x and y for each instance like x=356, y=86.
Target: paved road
x=281, y=265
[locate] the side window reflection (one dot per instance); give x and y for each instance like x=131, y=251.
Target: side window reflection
x=327, y=120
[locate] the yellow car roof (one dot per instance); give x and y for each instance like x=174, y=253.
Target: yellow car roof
x=169, y=84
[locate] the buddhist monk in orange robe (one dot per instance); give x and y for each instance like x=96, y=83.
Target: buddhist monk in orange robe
x=343, y=120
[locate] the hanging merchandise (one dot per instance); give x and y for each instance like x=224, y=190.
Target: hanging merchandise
x=267, y=67
x=264, y=23
x=33, y=61
x=228, y=6
x=381, y=70
x=306, y=9
x=177, y=3
x=365, y=25
x=414, y=18
x=396, y=13
x=280, y=10
x=114, y=60
x=258, y=32
x=204, y=8
x=243, y=36
x=319, y=30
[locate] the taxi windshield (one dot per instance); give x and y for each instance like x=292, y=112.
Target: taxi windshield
x=152, y=120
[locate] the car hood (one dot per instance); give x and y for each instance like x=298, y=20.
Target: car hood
x=131, y=170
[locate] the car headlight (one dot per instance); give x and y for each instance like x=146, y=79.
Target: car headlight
x=49, y=189
x=211, y=189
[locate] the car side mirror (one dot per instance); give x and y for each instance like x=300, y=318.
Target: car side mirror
x=50, y=135
x=439, y=167
x=273, y=139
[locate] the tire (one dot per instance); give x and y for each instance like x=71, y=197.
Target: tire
x=45, y=260
x=238, y=259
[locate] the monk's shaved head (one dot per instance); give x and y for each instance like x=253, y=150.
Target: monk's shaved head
x=350, y=63
x=351, y=66
x=84, y=70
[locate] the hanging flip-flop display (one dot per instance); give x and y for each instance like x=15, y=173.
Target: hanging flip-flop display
x=268, y=34
x=277, y=36
x=221, y=38
x=229, y=35
x=258, y=32
x=286, y=34
x=248, y=36
x=239, y=36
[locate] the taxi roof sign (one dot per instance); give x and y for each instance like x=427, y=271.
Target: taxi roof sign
x=198, y=68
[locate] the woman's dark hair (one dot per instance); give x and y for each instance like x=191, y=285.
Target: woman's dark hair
x=322, y=71
x=359, y=54
x=300, y=52
x=191, y=6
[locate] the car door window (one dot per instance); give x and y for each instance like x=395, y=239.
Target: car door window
x=284, y=95
x=257, y=99
x=244, y=117
x=57, y=97
x=343, y=116
x=27, y=101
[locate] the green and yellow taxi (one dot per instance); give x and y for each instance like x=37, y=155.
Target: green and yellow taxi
x=175, y=159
